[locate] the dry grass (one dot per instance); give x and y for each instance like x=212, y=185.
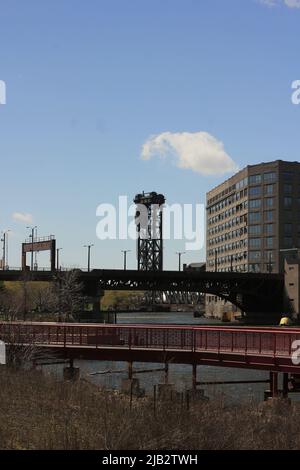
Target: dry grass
x=39, y=412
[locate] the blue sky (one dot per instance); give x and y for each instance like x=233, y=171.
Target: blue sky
x=89, y=82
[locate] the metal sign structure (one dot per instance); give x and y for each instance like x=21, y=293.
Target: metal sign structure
x=39, y=244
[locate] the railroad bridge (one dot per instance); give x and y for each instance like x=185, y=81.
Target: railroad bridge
x=253, y=293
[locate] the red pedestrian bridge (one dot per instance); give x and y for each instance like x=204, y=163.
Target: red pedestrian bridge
x=253, y=347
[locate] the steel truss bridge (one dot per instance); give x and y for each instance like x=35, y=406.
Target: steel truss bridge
x=251, y=292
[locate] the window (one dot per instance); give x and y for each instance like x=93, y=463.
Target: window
x=255, y=229
x=269, y=267
x=287, y=188
x=255, y=191
x=254, y=179
x=269, y=242
x=288, y=242
x=287, y=201
x=269, y=189
x=254, y=268
x=254, y=255
x=254, y=217
x=288, y=175
x=269, y=215
x=269, y=229
x=288, y=216
x=269, y=177
x=269, y=202
x=254, y=242
x=255, y=204
x=287, y=228
x=269, y=255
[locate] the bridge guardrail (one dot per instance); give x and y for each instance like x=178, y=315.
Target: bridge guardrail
x=248, y=341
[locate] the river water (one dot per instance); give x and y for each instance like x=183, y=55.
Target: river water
x=180, y=375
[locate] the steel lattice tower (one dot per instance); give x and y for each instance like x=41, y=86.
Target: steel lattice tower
x=149, y=223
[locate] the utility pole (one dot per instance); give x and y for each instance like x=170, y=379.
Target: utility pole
x=4, y=240
x=125, y=258
x=179, y=253
x=89, y=256
x=32, y=243
x=57, y=258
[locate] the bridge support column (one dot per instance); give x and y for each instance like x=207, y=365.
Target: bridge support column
x=71, y=372
x=130, y=370
x=273, y=393
x=194, y=383
x=131, y=386
x=166, y=373
x=275, y=384
x=285, y=385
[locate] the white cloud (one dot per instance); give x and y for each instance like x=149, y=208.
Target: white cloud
x=288, y=3
x=292, y=3
x=198, y=151
x=269, y=3
x=22, y=217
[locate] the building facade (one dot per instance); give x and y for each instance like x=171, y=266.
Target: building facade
x=253, y=218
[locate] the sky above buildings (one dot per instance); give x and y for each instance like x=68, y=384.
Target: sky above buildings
x=113, y=97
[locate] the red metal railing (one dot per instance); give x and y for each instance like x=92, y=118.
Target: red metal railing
x=273, y=342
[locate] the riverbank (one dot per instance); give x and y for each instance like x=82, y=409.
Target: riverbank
x=40, y=412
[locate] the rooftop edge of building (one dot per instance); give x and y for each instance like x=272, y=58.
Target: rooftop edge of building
x=247, y=167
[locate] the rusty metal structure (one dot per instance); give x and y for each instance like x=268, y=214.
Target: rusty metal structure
x=149, y=223
x=34, y=245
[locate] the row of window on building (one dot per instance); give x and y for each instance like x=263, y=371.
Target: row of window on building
x=227, y=236
x=229, y=224
x=227, y=202
x=254, y=243
x=228, y=247
x=250, y=268
x=267, y=202
x=253, y=179
x=228, y=213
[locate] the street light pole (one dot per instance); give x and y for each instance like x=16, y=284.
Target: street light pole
x=6, y=247
x=32, y=243
x=179, y=253
x=57, y=258
x=3, y=239
x=89, y=256
x=125, y=258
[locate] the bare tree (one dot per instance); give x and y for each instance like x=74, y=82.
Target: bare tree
x=67, y=296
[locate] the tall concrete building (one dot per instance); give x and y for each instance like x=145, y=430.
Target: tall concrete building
x=253, y=219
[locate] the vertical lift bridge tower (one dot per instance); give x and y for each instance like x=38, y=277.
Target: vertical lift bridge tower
x=149, y=223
